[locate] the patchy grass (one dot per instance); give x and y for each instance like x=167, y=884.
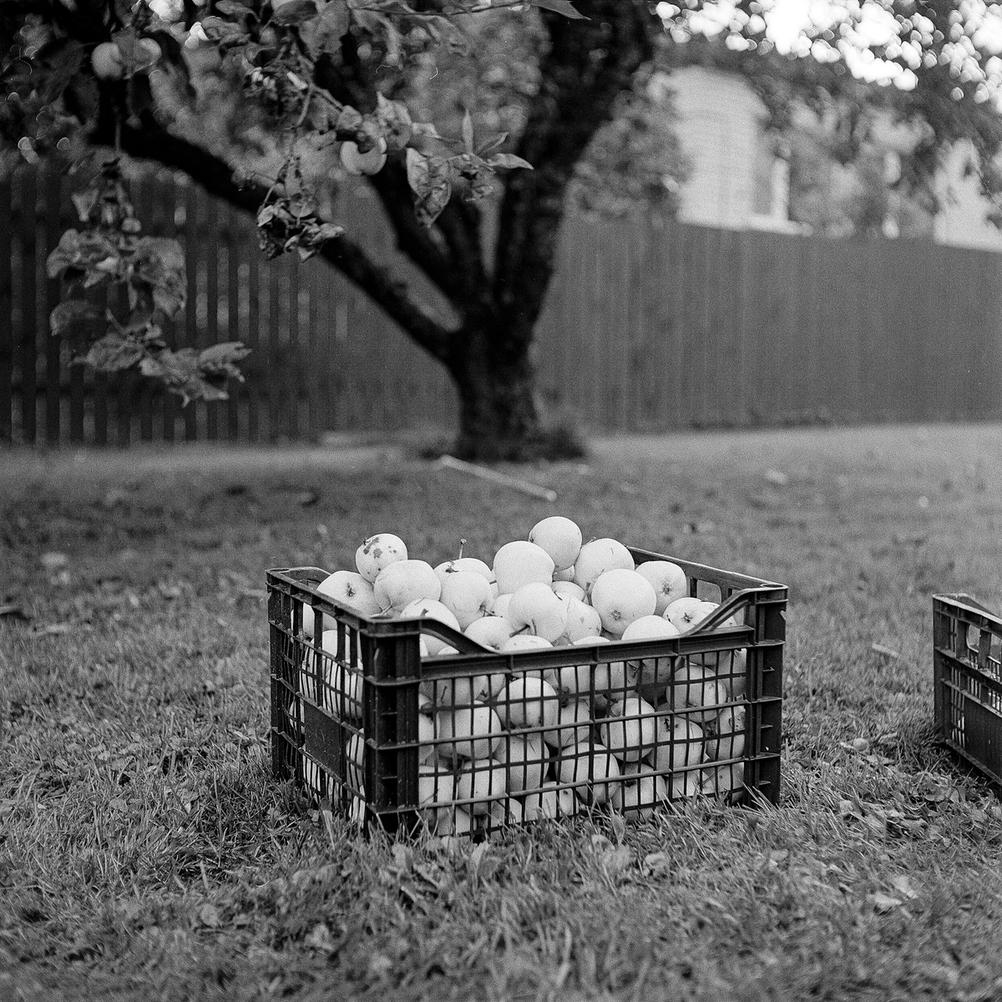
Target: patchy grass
x=145, y=850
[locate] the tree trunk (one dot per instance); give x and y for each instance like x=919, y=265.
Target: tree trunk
x=499, y=418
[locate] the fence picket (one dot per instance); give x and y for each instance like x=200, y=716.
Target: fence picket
x=647, y=327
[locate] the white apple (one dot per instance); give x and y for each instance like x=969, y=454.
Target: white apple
x=537, y=608
x=468, y=731
x=639, y=798
x=591, y=769
x=551, y=801
x=621, y=596
x=490, y=631
x=631, y=728
x=449, y=567
x=560, y=537
x=507, y=811
x=427, y=753
x=356, y=810
x=523, y=701
x=431, y=608
x=686, y=613
x=681, y=745
x=567, y=724
x=467, y=594
x=346, y=588
x=520, y=563
x=694, y=689
x=710, y=607
x=341, y=689
x=377, y=552
x=524, y=642
x=730, y=667
x=686, y=784
x=650, y=671
x=480, y=782
x=667, y=579
x=724, y=780
x=404, y=581
x=583, y=621
x=567, y=574
x=455, y=821
x=579, y=681
x=525, y=759
x=354, y=755
x=499, y=607
x=729, y=739
x=598, y=556
x=569, y=589
x=462, y=690
x=436, y=791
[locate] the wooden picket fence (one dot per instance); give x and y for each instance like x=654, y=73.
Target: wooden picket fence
x=646, y=328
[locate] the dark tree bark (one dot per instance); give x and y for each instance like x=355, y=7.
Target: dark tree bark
x=587, y=64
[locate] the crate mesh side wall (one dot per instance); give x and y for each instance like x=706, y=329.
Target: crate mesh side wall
x=967, y=659
x=583, y=730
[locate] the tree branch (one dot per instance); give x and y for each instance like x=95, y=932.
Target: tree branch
x=150, y=141
x=589, y=63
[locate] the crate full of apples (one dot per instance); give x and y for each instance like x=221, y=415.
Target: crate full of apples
x=558, y=676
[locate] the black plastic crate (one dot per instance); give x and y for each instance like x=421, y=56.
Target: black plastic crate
x=967, y=673
x=470, y=741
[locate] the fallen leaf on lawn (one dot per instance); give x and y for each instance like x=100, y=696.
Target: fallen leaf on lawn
x=903, y=886
x=776, y=477
x=884, y=902
x=658, y=862
x=53, y=560
x=208, y=915
x=14, y=612
x=307, y=498
x=615, y=860
x=887, y=652
x=51, y=630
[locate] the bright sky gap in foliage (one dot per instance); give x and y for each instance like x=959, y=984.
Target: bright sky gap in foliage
x=876, y=41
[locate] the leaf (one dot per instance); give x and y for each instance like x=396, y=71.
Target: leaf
x=883, y=902
x=395, y=122
x=508, y=161
x=491, y=144
x=159, y=261
x=232, y=8
x=294, y=12
x=113, y=353
x=222, y=357
x=429, y=179
x=89, y=252
x=75, y=319
x=564, y=7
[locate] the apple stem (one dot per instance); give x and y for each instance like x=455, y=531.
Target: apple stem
x=522, y=630
x=462, y=543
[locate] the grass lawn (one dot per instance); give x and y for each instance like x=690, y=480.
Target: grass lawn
x=145, y=851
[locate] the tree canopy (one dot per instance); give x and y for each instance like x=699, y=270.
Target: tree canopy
x=443, y=107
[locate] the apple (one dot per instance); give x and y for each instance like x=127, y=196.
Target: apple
x=569, y=589
x=490, y=631
x=436, y=791
x=356, y=810
x=520, y=563
x=724, y=780
x=567, y=574
x=578, y=681
x=730, y=667
x=686, y=613
x=598, y=556
x=640, y=797
x=507, y=811
x=455, y=821
x=341, y=690
x=560, y=537
x=346, y=588
x=525, y=759
x=686, y=784
x=567, y=724
x=355, y=162
x=621, y=596
x=729, y=739
x=107, y=61
x=404, y=581
x=631, y=728
x=468, y=732
x=695, y=689
x=523, y=701
x=462, y=690
x=651, y=670
x=591, y=769
x=467, y=594
x=449, y=567
x=499, y=607
x=535, y=606
x=550, y=801
x=480, y=782
x=430, y=608
x=354, y=761
x=683, y=747
x=583, y=621
x=524, y=642
x=711, y=607
x=379, y=551
x=668, y=581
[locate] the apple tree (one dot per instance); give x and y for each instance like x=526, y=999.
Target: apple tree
x=314, y=90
